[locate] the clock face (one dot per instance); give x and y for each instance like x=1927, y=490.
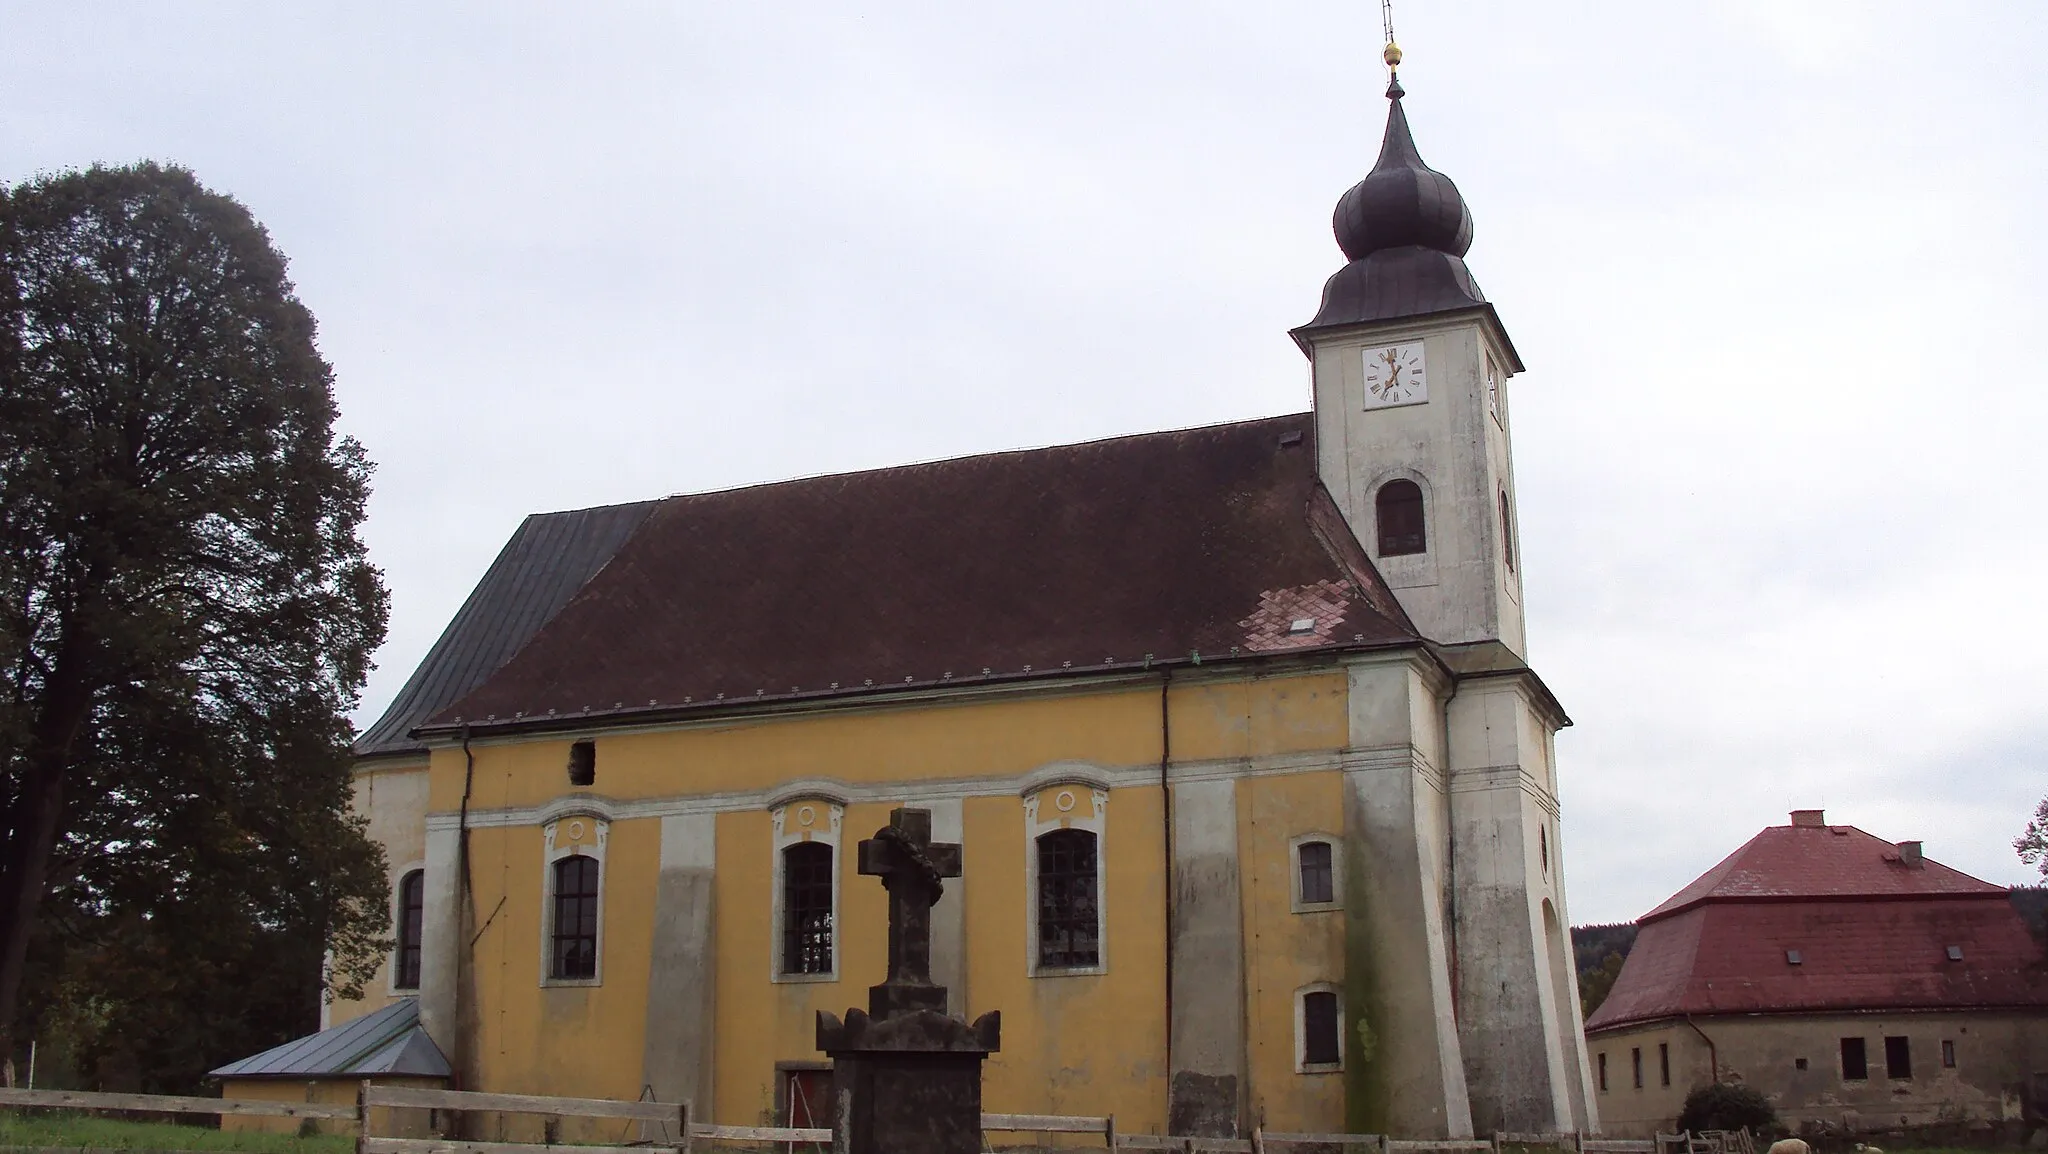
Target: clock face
x=1395, y=375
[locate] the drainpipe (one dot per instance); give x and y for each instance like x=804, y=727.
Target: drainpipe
x=1713, y=1055
x=464, y=914
x=1166, y=840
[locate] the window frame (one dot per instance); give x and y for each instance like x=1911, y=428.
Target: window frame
x=574, y=834
x=1066, y=805
x=1294, y=847
x=400, y=909
x=1301, y=996
x=1664, y=1063
x=1898, y=1058
x=1601, y=1064
x=813, y=819
x=1635, y=1061
x=1381, y=533
x=1862, y=1047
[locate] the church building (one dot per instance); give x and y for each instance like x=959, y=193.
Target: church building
x=1253, y=784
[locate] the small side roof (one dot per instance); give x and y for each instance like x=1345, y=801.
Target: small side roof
x=388, y=1041
x=549, y=558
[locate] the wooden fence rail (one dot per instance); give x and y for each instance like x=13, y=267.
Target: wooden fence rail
x=168, y=1104
x=687, y=1131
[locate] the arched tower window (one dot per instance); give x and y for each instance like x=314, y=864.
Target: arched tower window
x=1069, y=930
x=807, y=908
x=1399, y=510
x=412, y=906
x=575, y=929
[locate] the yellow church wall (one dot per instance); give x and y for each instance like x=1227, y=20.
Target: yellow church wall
x=1286, y=950
x=933, y=740
x=1079, y=1044
x=394, y=799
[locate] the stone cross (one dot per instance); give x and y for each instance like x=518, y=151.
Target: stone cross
x=912, y=868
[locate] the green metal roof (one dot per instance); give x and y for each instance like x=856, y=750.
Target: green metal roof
x=389, y=1041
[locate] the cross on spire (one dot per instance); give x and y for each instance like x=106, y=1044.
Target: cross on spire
x=912, y=868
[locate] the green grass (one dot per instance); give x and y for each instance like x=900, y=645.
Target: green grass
x=62, y=1128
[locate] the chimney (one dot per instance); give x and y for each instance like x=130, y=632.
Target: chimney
x=1809, y=817
x=1909, y=853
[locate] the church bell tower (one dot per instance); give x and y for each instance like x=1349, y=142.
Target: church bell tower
x=1411, y=366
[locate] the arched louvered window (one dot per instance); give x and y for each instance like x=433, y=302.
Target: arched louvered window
x=807, y=908
x=412, y=890
x=1398, y=508
x=1069, y=926
x=574, y=955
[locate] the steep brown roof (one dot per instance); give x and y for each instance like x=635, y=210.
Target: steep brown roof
x=1108, y=555
x=1871, y=929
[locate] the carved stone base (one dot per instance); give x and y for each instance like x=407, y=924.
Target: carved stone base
x=908, y=1084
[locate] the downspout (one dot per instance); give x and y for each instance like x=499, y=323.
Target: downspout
x=1166, y=840
x=1713, y=1055
x=464, y=913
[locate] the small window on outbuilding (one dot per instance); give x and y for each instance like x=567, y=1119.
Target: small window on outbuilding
x=1635, y=1057
x=1318, y=880
x=1799, y=1063
x=1603, y=1071
x=412, y=890
x=583, y=763
x=1948, y=1054
x=1898, y=1057
x=1855, y=1062
x=1069, y=927
x=574, y=956
x=1322, y=1046
x=807, y=908
x=1664, y=1063
x=1398, y=509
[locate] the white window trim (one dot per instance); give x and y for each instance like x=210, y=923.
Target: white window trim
x=802, y=819
x=391, y=985
x=1336, y=845
x=572, y=843
x=1301, y=1063
x=1066, y=805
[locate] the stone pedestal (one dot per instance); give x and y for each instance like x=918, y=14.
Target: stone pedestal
x=909, y=1084
x=907, y=1075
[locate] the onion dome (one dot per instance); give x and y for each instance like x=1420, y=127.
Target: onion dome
x=1402, y=201
x=1405, y=230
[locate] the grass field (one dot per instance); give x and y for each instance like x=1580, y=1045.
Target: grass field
x=58, y=1128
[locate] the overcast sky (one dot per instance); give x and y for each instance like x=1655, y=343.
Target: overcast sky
x=1774, y=268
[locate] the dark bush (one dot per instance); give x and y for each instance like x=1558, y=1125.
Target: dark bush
x=1726, y=1106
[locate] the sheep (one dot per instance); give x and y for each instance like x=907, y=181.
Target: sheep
x=1789, y=1146
x=1862, y=1149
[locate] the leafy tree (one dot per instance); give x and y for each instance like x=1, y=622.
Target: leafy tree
x=186, y=616
x=2032, y=843
x=1727, y=1106
x=1595, y=984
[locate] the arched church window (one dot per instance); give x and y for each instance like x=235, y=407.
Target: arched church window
x=1318, y=879
x=1507, y=532
x=1399, y=512
x=1319, y=1037
x=807, y=908
x=412, y=903
x=575, y=929
x=1069, y=929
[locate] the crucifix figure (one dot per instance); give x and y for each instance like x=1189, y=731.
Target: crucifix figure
x=912, y=868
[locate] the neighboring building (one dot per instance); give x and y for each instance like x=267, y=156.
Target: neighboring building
x=1855, y=982
x=1254, y=786
x=386, y=1047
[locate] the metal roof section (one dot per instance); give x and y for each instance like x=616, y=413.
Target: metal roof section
x=549, y=558
x=388, y=1041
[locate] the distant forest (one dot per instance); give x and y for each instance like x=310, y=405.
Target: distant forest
x=1599, y=951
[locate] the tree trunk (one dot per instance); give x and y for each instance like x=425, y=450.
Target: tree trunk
x=33, y=825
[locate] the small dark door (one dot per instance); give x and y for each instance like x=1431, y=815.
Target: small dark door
x=807, y=1100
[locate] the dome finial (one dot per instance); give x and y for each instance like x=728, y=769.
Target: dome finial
x=1392, y=56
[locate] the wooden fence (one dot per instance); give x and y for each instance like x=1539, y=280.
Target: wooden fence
x=674, y=1119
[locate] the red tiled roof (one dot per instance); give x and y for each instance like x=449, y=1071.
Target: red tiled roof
x=1820, y=861
x=1872, y=932
x=1042, y=563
